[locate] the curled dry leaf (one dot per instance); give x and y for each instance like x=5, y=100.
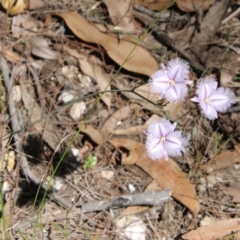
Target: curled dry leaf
x=215, y=230
x=123, y=51
x=194, y=5
x=94, y=71
x=166, y=173
x=93, y=133
x=121, y=13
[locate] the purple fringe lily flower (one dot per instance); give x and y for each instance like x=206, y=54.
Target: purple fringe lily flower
x=171, y=80
x=212, y=99
x=163, y=141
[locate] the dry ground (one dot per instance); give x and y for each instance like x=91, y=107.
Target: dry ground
x=65, y=145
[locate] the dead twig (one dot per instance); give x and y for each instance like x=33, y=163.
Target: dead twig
x=141, y=199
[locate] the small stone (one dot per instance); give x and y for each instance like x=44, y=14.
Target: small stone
x=17, y=95
x=6, y=187
x=75, y=151
x=65, y=97
x=107, y=174
x=131, y=188
x=57, y=185
x=77, y=110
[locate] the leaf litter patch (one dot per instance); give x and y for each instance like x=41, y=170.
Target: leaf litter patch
x=84, y=152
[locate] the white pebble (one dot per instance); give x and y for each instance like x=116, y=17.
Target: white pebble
x=65, y=97
x=6, y=187
x=201, y=188
x=16, y=92
x=119, y=123
x=85, y=80
x=206, y=221
x=107, y=174
x=70, y=71
x=131, y=227
x=75, y=151
x=131, y=188
x=77, y=110
x=237, y=166
x=57, y=185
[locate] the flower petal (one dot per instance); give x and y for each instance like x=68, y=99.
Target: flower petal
x=155, y=149
x=159, y=81
x=222, y=99
x=166, y=127
x=160, y=129
x=163, y=141
x=194, y=99
x=206, y=87
x=176, y=92
x=209, y=110
x=178, y=70
x=175, y=143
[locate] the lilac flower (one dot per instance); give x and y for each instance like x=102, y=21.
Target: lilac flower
x=163, y=141
x=170, y=81
x=212, y=99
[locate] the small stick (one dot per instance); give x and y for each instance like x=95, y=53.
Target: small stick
x=142, y=199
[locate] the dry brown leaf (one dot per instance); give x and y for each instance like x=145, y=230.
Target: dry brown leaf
x=154, y=5
x=166, y=173
x=234, y=192
x=194, y=5
x=225, y=159
x=124, y=52
x=112, y=122
x=94, y=71
x=226, y=79
x=174, y=110
x=93, y=133
x=130, y=131
x=214, y=231
x=121, y=13
x=146, y=92
x=136, y=129
x=10, y=56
